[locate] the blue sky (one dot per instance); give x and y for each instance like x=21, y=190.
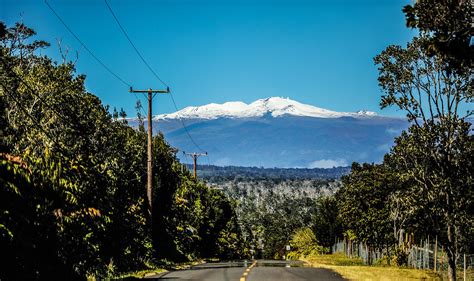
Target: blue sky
x=315, y=52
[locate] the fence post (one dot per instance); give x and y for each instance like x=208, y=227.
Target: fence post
x=428, y=253
x=442, y=258
x=420, y=259
x=350, y=248
x=366, y=254
x=464, y=267
x=435, y=252
x=422, y=255
x=427, y=249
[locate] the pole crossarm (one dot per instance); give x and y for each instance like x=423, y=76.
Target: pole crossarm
x=195, y=156
x=150, y=91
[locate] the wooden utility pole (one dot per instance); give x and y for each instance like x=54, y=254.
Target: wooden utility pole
x=195, y=157
x=149, y=183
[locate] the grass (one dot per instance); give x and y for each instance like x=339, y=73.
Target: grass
x=168, y=265
x=354, y=269
x=141, y=274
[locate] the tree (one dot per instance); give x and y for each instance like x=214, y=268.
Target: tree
x=73, y=204
x=363, y=204
x=85, y=162
x=447, y=27
x=440, y=191
x=303, y=243
x=326, y=224
x=192, y=220
x=430, y=80
x=28, y=229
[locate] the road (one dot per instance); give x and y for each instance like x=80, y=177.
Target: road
x=261, y=270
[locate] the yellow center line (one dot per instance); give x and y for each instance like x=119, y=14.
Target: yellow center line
x=247, y=271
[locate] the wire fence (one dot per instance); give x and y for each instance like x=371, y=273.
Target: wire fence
x=427, y=255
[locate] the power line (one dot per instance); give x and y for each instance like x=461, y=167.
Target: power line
x=208, y=160
x=133, y=45
x=91, y=53
x=154, y=73
x=85, y=47
x=184, y=125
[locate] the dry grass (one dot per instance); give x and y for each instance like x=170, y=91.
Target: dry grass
x=353, y=269
x=139, y=274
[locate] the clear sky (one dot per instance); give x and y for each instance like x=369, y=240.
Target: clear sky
x=317, y=52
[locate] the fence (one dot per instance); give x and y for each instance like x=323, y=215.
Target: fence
x=426, y=255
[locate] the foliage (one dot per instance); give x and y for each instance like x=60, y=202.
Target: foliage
x=447, y=26
x=216, y=174
x=73, y=180
x=27, y=225
x=401, y=257
x=326, y=222
x=271, y=209
x=192, y=219
x=304, y=244
x=431, y=81
x=363, y=207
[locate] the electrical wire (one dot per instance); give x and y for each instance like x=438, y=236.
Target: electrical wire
x=208, y=160
x=92, y=54
x=133, y=45
x=85, y=47
x=184, y=125
x=187, y=159
x=154, y=73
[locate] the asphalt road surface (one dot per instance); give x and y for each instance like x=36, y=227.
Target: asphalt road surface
x=263, y=270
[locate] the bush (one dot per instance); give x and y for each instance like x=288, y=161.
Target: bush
x=304, y=244
x=400, y=257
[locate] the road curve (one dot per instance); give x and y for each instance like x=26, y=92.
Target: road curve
x=263, y=270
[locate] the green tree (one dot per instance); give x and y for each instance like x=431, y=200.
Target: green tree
x=86, y=180
x=191, y=219
x=303, y=243
x=430, y=80
x=363, y=204
x=447, y=27
x=326, y=223
x=80, y=180
x=29, y=204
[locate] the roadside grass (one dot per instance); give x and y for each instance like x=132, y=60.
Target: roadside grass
x=139, y=274
x=166, y=266
x=354, y=269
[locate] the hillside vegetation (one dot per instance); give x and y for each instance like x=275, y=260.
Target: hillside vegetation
x=73, y=177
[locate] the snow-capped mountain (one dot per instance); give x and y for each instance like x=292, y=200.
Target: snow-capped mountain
x=279, y=132
x=274, y=106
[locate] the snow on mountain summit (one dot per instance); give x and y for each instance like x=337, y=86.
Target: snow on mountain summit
x=276, y=106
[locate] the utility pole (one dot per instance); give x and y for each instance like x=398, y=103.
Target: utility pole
x=195, y=156
x=149, y=183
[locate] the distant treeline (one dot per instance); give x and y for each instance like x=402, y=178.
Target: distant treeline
x=213, y=173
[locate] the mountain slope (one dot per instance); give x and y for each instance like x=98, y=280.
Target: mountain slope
x=274, y=106
x=278, y=132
